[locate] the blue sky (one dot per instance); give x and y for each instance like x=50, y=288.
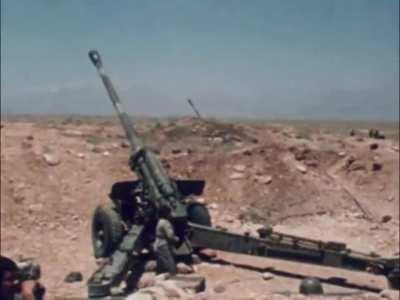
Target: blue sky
x=331, y=59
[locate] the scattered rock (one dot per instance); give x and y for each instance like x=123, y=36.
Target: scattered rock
x=267, y=276
x=374, y=146
x=386, y=218
x=395, y=148
x=30, y=138
x=376, y=166
x=209, y=253
x=150, y=266
x=125, y=144
x=190, y=282
x=390, y=294
x=141, y=296
x=201, y=200
x=184, y=268
x=95, y=148
x=219, y=288
x=342, y=153
x=26, y=144
x=265, y=179
x=73, y=277
x=106, y=153
x=176, y=151
x=239, y=168
x=229, y=219
x=80, y=155
x=73, y=133
x=217, y=140
x=311, y=163
x=236, y=176
x=147, y=280
x=196, y=259
x=212, y=206
x=351, y=159
x=51, y=159
x=302, y=169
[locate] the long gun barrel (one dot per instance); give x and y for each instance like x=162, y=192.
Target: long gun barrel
x=133, y=138
x=160, y=188
x=194, y=108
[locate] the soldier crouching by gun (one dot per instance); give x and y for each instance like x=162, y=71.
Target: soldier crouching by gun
x=165, y=239
x=20, y=281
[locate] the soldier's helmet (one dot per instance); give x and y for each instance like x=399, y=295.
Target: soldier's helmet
x=311, y=286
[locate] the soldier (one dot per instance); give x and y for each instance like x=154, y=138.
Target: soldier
x=165, y=239
x=13, y=287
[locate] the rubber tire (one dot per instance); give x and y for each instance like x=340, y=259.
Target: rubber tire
x=105, y=218
x=198, y=214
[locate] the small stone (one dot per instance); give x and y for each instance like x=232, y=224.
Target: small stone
x=209, y=253
x=51, y=159
x=217, y=140
x=73, y=277
x=376, y=166
x=311, y=163
x=229, y=219
x=141, y=296
x=390, y=294
x=201, y=200
x=147, y=280
x=196, y=259
x=73, y=133
x=395, y=148
x=80, y=155
x=342, y=154
x=374, y=146
x=239, y=168
x=219, y=289
x=125, y=144
x=265, y=179
x=212, y=206
x=386, y=218
x=302, y=169
x=190, y=282
x=236, y=176
x=106, y=153
x=184, y=268
x=267, y=276
x=150, y=266
x=176, y=151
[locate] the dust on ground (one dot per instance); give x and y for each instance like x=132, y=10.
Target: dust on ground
x=315, y=183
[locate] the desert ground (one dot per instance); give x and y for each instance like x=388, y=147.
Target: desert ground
x=311, y=179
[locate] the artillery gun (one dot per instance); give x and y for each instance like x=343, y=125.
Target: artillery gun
x=122, y=233
x=194, y=108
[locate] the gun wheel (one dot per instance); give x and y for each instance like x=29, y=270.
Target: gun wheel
x=107, y=231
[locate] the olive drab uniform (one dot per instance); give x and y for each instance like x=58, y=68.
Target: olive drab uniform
x=165, y=238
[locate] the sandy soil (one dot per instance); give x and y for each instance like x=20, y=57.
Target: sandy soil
x=320, y=185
